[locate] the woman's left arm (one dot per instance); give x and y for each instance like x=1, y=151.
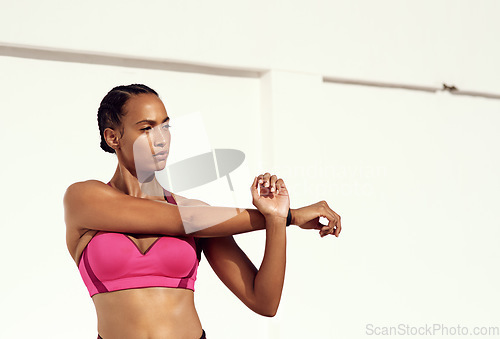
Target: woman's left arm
x=260, y=290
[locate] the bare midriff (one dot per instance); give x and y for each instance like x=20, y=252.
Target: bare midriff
x=153, y=312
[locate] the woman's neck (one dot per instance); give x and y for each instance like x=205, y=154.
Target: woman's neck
x=128, y=183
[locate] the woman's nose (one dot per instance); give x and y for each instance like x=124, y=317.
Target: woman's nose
x=160, y=136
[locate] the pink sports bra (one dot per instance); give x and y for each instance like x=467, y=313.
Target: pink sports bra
x=112, y=261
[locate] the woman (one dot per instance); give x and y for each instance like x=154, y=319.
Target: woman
x=137, y=246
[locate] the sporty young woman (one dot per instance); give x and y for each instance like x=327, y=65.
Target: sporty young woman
x=137, y=246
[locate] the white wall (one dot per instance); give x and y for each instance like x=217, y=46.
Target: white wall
x=413, y=175
x=425, y=41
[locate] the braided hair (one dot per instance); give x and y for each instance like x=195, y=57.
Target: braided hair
x=110, y=111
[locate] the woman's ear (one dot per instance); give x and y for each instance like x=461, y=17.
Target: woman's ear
x=112, y=138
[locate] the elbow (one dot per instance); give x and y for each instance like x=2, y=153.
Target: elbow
x=268, y=310
x=270, y=314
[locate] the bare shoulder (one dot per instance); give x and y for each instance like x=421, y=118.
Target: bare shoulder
x=84, y=191
x=82, y=187
x=76, y=191
x=81, y=198
x=73, y=198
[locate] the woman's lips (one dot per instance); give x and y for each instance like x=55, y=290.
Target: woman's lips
x=161, y=155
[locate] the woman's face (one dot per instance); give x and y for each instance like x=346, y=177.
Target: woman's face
x=145, y=142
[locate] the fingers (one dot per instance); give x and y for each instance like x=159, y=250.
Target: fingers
x=339, y=227
x=334, y=224
x=254, y=188
x=267, y=181
x=264, y=179
x=272, y=184
x=280, y=187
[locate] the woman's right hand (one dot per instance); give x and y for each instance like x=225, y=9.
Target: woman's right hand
x=273, y=199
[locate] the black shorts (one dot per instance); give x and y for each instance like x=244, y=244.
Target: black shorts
x=203, y=336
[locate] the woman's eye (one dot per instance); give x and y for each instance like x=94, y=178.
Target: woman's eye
x=166, y=126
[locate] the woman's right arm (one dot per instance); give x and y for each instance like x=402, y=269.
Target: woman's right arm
x=93, y=205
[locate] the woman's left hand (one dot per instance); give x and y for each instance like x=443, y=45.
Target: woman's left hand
x=308, y=218
x=273, y=199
